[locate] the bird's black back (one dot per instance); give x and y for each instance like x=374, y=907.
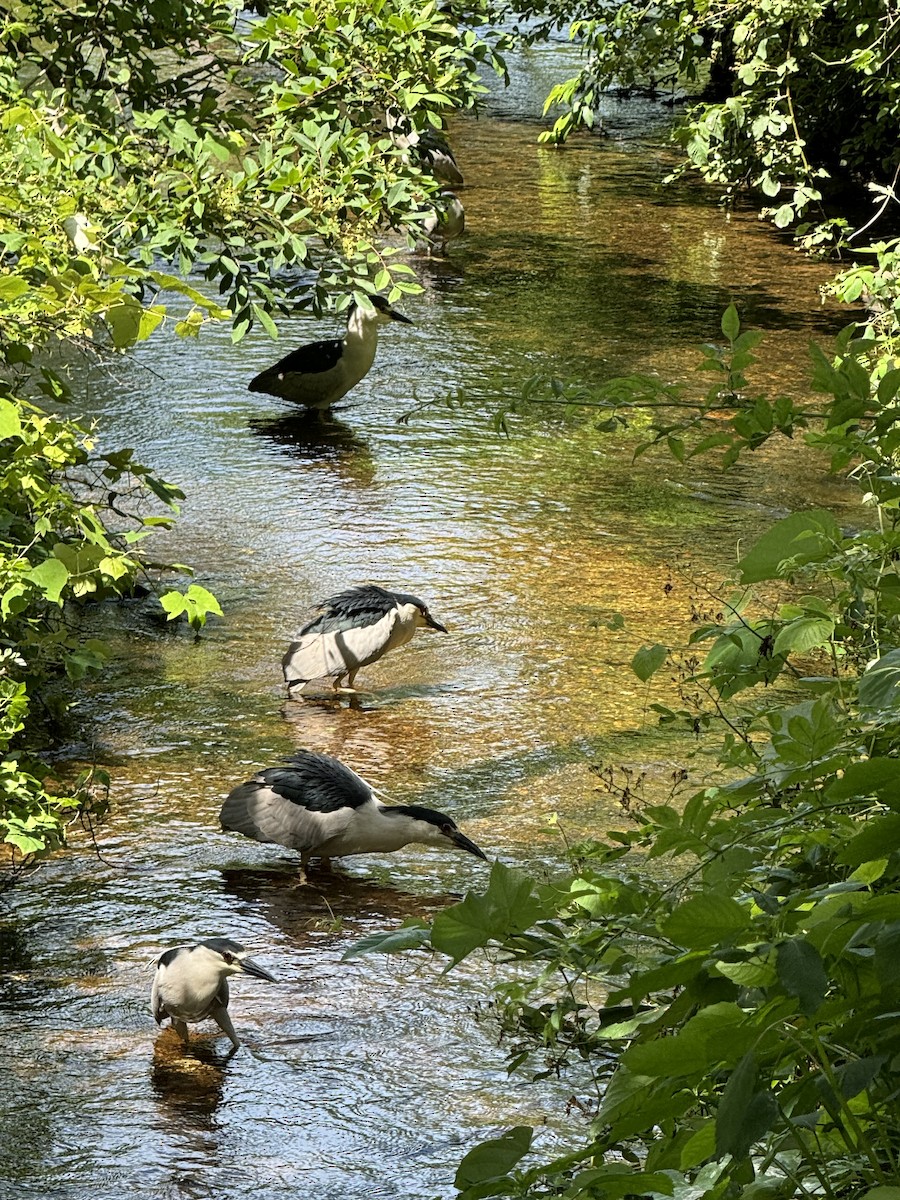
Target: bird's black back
x=307, y=360
x=316, y=782
x=355, y=607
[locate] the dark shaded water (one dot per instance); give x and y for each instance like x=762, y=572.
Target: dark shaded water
x=371, y=1078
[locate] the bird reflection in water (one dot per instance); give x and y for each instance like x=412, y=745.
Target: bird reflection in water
x=188, y=1082
x=331, y=902
x=323, y=440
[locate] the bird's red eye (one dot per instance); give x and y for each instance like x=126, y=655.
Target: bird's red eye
x=229, y=958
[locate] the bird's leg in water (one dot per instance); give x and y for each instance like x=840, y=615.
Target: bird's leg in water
x=350, y=678
x=301, y=878
x=325, y=864
x=181, y=1029
x=222, y=1019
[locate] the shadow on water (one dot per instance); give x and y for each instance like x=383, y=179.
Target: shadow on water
x=313, y=438
x=330, y=903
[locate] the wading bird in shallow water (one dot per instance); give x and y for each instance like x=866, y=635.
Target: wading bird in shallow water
x=353, y=628
x=191, y=984
x=444, y=223
x=318, y=806
x=319, y=374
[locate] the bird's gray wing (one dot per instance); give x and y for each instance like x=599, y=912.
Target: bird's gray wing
x=222, y=995
x=301, y=805
x=260, y=813
x=333, y=652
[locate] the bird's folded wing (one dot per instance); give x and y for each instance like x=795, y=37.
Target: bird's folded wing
x=259, y=812
x=335, y=652
x=311, y=359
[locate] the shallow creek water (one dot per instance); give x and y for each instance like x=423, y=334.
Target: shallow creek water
x=371, y=1078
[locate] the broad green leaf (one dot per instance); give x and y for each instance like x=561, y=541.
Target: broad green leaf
x=804, y=634
x=798, y=539
x=745, y=1113
x=411, y=935
x=203, y=599
x=878, y=837
x=883, y=1192
x=870, y=778
x=801, y=973
x=713, y=1036
x=12, y=286
x=648, y=660
x=700, y=1147
x=494, y=1158
x=879, y=687
x=508, y=906
x=10, y=421
x=51, y=577
x=705, y=920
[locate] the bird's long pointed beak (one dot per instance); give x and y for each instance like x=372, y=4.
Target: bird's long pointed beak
x=249, y=967
x=463, y=843
x=433, y=624
x=398, y=316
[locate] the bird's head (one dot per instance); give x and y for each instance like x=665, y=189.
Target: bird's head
x=379, y=311
x=229, y=958
x=422, y=617
x=433, y=828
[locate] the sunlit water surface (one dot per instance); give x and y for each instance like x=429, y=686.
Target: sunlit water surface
x=371, y=1078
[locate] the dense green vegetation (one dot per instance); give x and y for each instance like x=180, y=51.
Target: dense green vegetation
x=185, y=148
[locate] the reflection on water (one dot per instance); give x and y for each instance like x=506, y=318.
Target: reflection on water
x=369, y=1078
x=312, y=438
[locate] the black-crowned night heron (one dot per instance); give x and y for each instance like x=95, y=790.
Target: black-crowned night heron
x=319, y=374
x=426, y=147
x=444, y=223
x=191, y=984
x=317, y=805
x=354, y=628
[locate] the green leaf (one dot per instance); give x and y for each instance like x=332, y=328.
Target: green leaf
x=648, y=660
x=717, y=1034
x=10, y=421
x=879, y=687
x=804, y=634
x=12, y=286
x=731, y=323
x=51, y=576
x=869, y=778
x=705, y=920
x=494, y=1158
x=883, y=1192
x=745, y=1113
x=798, y=539
x=879, y=837
x=698, y=1148
x=413, y=934
x=508, y=906
x=801, y=973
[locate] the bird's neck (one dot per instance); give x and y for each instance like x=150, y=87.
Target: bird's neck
x=361, y=341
